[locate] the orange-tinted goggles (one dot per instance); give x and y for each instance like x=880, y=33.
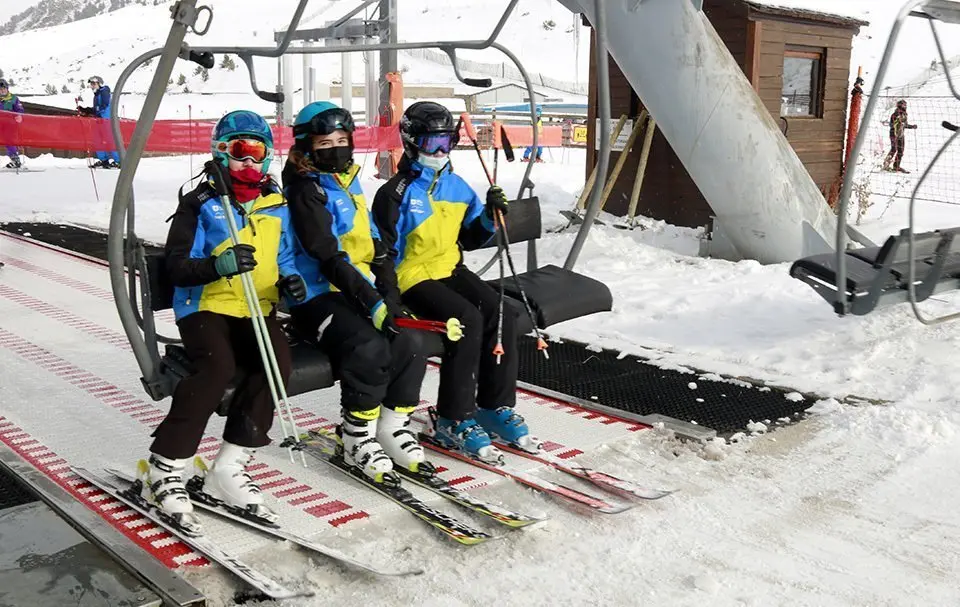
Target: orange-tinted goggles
x=242, y=149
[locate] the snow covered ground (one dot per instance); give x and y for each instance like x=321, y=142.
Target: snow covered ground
x=853, y=506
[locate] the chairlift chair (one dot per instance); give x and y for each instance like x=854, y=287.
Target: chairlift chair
x=556, y=294
x=908, y=267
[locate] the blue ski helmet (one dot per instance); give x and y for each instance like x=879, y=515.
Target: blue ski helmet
x=321, y=118
x=240, y=124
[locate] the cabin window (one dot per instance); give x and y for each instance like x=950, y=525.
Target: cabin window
x=802, y=93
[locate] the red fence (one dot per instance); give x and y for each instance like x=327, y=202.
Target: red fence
x=84, y=134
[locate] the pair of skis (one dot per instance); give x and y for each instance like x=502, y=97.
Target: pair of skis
x=129, y=493
x=324, y=446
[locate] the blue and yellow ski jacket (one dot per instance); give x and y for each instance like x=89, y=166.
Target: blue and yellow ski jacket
x=338, y=246
x=199, y=232
x=424, y=218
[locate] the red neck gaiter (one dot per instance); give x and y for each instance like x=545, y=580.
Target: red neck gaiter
x=247, y=183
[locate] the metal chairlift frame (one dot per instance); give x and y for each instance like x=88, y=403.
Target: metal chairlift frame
x=947, y=11
x=140, y=329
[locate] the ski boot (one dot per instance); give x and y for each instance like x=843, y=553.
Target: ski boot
x=902, y=170
x=399, y=442
x=229, y=482
x=509, y=426
x=360, y=447
x=15, y=163
x=466, y=436
x=162, y=486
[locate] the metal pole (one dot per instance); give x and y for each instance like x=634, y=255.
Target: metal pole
x=307, y=84
x=370, y=95
x=603, y=101
x=346, y=78
x=184, y=16
x=388, y=64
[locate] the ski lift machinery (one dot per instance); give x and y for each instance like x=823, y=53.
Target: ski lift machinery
x=909, y=266
x=557, y=294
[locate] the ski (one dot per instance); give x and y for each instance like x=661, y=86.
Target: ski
x=434, y=483
x=597, y=477
x=392, y=489
x=202, y=502
x=202, y=544
x=20, y=170
x=594, y=503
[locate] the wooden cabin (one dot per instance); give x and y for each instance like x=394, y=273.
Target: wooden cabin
x=799, y=64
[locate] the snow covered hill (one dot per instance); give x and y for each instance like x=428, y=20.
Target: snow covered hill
x=541, y=31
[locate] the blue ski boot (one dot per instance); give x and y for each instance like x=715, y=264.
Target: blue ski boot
x=466, y=436
x=509, y=426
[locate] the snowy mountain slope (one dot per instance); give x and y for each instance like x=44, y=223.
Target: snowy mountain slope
x=68, y=54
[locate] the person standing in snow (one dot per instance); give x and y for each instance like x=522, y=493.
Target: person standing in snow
x=527, y=152
x=898, y=142
x=424, y=213
x=214, y=322
x=10, y=103
x=101, y=109
x=351, y=295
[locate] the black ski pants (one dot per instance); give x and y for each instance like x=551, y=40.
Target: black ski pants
x=217, y=345
x=469, y=376
x=372, y=369
x=897, y=146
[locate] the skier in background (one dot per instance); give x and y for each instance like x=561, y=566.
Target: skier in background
x=214, y=322
x=351, y=295
x=898, y=142
x=529, y=150
x=101, y=109
x=10, y=103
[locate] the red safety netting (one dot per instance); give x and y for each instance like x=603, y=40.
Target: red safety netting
x=85, y=134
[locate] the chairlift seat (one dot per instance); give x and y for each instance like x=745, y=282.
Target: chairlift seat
x=555, y=294
x=880, y=275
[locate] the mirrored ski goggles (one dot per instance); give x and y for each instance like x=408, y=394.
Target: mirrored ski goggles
x=326, y=123
x=434, y=144
x=242, y=149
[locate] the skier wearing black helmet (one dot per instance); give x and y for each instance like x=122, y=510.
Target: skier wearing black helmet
x=424, y=214
x=898, y=141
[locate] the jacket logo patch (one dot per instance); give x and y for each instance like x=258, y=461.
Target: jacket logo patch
x=416, y=206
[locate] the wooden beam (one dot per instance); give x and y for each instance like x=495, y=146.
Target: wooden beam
x=754, y=38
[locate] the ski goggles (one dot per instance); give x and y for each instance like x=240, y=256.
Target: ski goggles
x=437, y=143
x=243, y=149
x=326, y=123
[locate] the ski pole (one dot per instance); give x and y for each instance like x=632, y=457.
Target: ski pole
x=950, y=127
x=505, y=240
x=452, y=328
x=268, y=357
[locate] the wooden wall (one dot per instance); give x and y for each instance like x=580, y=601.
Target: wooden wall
x=669, y=192
x=817, y=141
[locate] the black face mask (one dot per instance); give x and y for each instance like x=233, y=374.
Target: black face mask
x=333, y=160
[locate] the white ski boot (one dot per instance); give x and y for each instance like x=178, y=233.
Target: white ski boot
x=361, y=449
x=398, y=441
x=229, y=482
x=163, y=486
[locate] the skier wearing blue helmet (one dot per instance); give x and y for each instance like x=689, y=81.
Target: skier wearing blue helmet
x=349, y=307
x=214, y=322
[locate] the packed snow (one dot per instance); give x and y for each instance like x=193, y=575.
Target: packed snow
x=852, y=506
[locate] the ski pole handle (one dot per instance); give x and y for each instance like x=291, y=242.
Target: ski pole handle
x=950, y=127
x=452, y=328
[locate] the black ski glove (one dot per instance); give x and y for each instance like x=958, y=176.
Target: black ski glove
x=235, y=260
x=496, y=200
x=293, y=287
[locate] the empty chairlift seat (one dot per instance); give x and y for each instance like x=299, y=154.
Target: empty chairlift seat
x=878, y=276
x=555, y=294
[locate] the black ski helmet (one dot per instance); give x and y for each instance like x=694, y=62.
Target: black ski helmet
x=425, y=118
